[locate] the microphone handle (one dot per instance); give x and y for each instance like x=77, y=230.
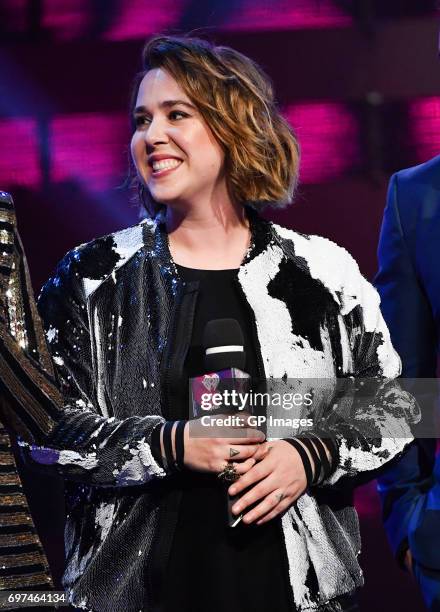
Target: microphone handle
x=216, y=381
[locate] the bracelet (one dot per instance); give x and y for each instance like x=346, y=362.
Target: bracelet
x=330, y=444
x=325, y=464
x=304, y=458
x=315, y=457
x=167, y=444
x=162, y=447
x=180, y=445
x=156, y=446
x=328, y=441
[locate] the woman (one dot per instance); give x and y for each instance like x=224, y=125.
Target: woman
x=124, y=316
x=30, y=405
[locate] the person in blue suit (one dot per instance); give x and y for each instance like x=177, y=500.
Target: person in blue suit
x=408, y=281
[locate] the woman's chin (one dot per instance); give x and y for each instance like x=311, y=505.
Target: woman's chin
x=165, y=196
x=173, y=200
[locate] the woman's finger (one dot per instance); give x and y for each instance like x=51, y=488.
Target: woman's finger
x=257, y=473
x=243, y=467
x=260, y=491
x=240, y=467
x=262, y=450
x=237, y=452
x=269, y=503
x=281, y=507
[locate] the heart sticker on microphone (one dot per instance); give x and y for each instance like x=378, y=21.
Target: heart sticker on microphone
x=211, y=381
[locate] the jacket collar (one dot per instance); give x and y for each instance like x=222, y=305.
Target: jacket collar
x=262, y=234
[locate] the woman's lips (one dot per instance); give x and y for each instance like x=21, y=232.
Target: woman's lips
x=165, y=171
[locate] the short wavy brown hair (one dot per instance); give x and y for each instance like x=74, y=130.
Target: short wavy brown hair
x=236, y=99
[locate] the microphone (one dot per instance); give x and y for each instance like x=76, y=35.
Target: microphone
x=223, y=342
x=225, y=358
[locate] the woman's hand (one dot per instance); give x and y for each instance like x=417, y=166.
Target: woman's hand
x=210, y=454
x=281, y=479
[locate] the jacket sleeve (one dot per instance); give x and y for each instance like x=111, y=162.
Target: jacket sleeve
x=376, y=428
x=404, y=304
x=84, y=445
x=409, y=317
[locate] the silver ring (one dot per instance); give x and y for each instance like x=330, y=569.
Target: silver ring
x=229, y=473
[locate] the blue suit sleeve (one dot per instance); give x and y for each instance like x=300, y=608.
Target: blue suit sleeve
x=408, y=315
x=404, y=304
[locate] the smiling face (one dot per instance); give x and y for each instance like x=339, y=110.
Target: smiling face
x=174, y=151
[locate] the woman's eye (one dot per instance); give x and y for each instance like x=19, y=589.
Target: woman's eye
x=144, y=120
x=177, y=114
x=141, y=120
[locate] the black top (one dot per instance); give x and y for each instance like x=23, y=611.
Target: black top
x=212, y=566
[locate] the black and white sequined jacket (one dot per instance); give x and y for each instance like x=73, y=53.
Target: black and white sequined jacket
x=114, y=314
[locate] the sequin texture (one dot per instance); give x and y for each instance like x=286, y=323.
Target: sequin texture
x=108, y=320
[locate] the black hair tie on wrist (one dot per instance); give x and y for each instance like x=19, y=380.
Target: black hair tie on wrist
x=167, y=444
x=304, y=458
x=155, y=445
x=323, y=457
x=180, y=444
x=315, y=457
x=331, y=446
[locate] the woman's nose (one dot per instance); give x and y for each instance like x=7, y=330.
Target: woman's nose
x=156, y=132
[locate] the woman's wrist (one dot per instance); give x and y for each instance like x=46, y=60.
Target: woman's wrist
x=179, y=439
x=330, y=448
x=318, y=457
x=309, y=467
x=156, y=445
x=167, y=444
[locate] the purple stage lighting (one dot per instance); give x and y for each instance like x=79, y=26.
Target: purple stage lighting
x=66, y=20
x=20, y=167
x=90, y=148
x=138, y=19
x=329, y=137
x=286, y=15
x=424, y=127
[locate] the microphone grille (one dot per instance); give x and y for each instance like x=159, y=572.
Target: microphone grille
x=221, y=332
